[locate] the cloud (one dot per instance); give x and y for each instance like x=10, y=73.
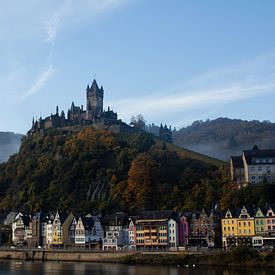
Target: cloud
x=51, y=27
x=72, y=13
x=40, y=81
x=205, y=92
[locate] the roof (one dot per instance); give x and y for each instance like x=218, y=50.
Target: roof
x=115, y=219
x=26, y=220
x=237, y=161
x=155, y=215
x=88, y=222
x=272, y=206
x=62, y=216
x=252, y=155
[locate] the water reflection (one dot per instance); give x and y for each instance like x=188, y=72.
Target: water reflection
x=67, y=268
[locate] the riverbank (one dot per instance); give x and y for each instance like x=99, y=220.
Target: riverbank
x=239, y=257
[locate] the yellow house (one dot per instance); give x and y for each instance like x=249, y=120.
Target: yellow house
x=246, y=226
x=229, y=229
x=60, y=228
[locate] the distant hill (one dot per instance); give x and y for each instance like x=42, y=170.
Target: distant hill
x=9, y=144
x=223, y=137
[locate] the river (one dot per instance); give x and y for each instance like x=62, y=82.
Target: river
x=11, y=267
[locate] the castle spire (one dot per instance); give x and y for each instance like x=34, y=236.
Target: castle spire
x=57, y=111
x=94, y=86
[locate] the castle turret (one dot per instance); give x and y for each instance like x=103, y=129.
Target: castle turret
x=94, y=101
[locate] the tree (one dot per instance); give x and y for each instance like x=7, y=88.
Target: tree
x=142, y=182
x=138, y=122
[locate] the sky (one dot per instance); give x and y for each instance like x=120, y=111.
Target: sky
x=174, y=61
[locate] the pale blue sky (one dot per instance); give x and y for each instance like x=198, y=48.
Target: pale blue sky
x=173, y=61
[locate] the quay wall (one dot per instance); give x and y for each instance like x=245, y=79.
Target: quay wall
x=52, y=255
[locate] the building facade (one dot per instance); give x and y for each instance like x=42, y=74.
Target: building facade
x=253, y=167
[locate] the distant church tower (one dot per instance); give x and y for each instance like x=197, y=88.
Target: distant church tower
x=94, y=101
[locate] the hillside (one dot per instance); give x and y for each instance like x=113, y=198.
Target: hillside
x=223, y=137
x=9, y=144
x=98, y=170
x=95, y=170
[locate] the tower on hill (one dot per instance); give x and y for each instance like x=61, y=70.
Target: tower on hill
x=94, y=101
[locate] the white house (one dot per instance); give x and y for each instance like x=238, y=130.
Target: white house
x=116, y=232
x=21, y=229
x=173, y=234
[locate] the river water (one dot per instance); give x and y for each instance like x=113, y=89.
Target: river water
x=10, y=267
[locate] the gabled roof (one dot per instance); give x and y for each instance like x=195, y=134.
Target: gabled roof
x=88, y=222
x=62, y=216
x=251, y=155
x=237, y=161
x=234, y=212
x=262, y=209
x=251, y=210
x=272, y=206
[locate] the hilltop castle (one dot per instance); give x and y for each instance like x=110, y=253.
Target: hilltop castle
x=77, y=117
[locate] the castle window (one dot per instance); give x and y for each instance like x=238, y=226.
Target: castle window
x=260, y=168
x=270, y=160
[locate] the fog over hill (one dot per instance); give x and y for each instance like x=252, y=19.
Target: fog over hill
x=9, y=144
x=223, y=137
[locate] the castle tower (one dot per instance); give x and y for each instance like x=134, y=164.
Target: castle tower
x=94, y=101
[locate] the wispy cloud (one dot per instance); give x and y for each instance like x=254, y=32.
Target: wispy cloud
x=210, y=90
x=40, y=81
x=72, y=13
x=51, y=27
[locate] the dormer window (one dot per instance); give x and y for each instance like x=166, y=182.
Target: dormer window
x=257, y=161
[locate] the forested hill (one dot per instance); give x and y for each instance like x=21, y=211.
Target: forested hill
x=9, y=144
x=94, y=170
x=99, y=171
x=223, y=137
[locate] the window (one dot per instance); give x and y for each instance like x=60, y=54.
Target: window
x=260, y=168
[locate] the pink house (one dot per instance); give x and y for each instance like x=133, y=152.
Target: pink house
x=183, y=230
x=270, y=220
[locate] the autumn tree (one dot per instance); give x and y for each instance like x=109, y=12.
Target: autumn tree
x=142, y=182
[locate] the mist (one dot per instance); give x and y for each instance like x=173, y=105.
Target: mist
x=9, y=145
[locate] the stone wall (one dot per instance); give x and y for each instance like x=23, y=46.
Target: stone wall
x=49, y=255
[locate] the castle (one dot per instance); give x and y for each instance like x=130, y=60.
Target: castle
x=77, y=117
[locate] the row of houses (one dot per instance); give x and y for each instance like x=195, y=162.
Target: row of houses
x=147, y=230
x=251, y=226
